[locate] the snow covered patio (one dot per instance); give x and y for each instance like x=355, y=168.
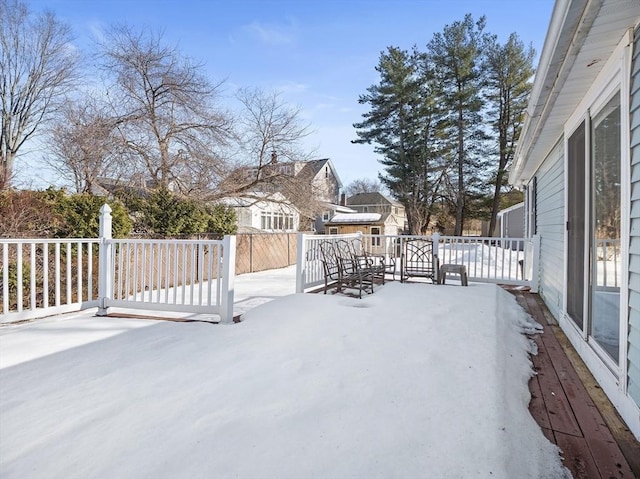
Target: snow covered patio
x=415, y=380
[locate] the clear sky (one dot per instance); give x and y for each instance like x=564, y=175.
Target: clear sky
x=320, y=54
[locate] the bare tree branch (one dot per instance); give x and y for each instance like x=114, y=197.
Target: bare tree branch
x=84, y=144
x=169, y=117
x=38, y=67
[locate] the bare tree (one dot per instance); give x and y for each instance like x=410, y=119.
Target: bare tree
x=37, y=68
x=362, y=185
x=167, y=110
x=270, y=134
x=84, y=145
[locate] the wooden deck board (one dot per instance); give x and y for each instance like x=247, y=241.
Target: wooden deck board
x=589, y=447
x=577, y=457
x=598, y=436
x=536, y=406
x=555, y=400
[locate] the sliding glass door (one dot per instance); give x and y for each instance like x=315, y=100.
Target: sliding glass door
x=576, y=225
x=605, y=261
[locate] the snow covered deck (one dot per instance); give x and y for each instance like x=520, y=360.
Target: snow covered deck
x=414, y=378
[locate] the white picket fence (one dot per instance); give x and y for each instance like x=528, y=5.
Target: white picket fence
x=42, y=277
x=512, y=261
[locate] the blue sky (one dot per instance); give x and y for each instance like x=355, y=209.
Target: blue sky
x=320, y=54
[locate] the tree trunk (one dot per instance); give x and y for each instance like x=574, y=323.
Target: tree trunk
x=496, y=201
x=461, y=189
x=6, y=171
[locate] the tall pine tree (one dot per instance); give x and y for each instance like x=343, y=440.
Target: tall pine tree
x=455, y=58
x=508, y=70
x=402, y=123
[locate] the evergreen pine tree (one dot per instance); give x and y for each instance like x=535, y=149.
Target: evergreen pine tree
x=508, y=70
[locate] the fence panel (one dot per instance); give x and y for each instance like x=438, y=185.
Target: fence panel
x=170, y=275
x=309, y=270
x=41, y=277
x=496, y=260
x=262, y=251
x=487, y=259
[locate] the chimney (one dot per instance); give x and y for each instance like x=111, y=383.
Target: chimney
x=343, y=199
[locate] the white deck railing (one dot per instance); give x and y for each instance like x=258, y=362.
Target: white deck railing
x=498, y=260
x=180, y=275
x=42, y=277
x=309, y=271
x=52, y=275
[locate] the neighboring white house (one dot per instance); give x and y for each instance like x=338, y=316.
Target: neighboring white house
x=264, y=212
x=578, y=158
x=323, y=187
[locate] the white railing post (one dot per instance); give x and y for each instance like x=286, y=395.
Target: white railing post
x=105, y=275
x=435, y=239
x=228, y=278
x=535, y=269
x=301, y=263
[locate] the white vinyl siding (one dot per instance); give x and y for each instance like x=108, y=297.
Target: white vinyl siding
x=551, y=227
x=633, y=354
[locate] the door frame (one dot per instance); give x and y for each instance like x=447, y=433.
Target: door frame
x=615, y=76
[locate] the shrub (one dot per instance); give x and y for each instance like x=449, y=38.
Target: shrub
x=81, y=214
x=164, y=213
x=222, y=220
x=27, y=213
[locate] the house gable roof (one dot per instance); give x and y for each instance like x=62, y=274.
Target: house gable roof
x=368, y=199
x=314, y=167
x=582, y=35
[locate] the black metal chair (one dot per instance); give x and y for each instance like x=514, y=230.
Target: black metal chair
x=330, y=265
x=354, y=270
x=418, y=260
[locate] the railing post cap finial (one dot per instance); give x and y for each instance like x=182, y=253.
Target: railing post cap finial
x=105, y=209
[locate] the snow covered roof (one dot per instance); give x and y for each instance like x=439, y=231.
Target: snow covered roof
x=341, y=209
x=253, y=197
x=375, y=198
x=356, y=218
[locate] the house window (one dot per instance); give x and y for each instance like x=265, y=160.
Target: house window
x=333, y=231
x=365, y=209
x=375, y=240
x=265, y=220
x=326, y=216
x=326, y=172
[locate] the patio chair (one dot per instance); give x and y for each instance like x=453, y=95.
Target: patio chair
x=354, y=270
x=377, y=264
x=330, y=265
x=418, y=260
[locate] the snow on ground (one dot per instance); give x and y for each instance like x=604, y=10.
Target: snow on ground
x=416, y=380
